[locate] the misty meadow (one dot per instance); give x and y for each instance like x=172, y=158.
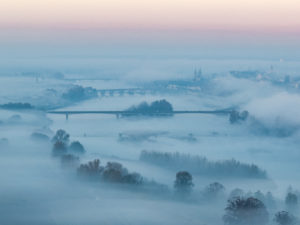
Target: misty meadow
x=205, y=149
x=149, y=112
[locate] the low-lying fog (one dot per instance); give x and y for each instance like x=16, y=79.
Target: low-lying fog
x=46, y=180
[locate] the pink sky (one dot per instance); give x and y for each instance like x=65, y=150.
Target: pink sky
x=256, y=15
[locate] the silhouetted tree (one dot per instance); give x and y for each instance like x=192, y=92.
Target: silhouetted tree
x=59, y=148
x=183, y=182
x=291, y=200
x=245, y=211
x=114, y=172
x=133, y=178
x=156, y=108
x=235, y=193
x=214, y=190
x=91, y=169
x=78, y=93
x=285, y=218
x=269, y=200
x=260, y=196
x=76, y=147
x=161, y=106
x=70, y=161
x=61, y=136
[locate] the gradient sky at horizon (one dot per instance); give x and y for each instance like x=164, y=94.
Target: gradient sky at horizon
x=180, y=25
x=273, y=15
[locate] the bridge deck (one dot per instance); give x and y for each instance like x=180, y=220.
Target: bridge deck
x=138, y=113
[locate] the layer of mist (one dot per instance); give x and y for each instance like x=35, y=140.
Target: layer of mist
x=234, y=163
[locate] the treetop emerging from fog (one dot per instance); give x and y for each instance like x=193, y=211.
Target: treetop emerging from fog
x=156, y=108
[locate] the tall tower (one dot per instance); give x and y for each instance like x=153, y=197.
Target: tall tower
x=197, y=75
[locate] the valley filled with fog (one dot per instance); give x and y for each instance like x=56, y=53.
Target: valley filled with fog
x=155, y=166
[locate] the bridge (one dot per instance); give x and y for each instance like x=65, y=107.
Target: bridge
x=144, y=91
x=128, y=113
x=123, y=91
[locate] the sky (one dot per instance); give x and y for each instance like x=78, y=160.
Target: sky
x=188, y=24
x=273, y=15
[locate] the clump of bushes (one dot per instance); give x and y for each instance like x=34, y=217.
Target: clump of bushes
x=267, y=198
x=91, y=169
x=113, y=172
x=61, y=144
x=79, y=93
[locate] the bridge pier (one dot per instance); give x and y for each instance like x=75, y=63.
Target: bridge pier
x=67, y=116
